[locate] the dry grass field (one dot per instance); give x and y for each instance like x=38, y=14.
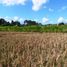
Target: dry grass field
x=33, y=49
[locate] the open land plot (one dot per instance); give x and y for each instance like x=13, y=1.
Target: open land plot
x=19, y=49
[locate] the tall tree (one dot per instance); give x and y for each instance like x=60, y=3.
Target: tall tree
x=4, y=22
x=29, y=22
x=15, y=23
x=61, y=23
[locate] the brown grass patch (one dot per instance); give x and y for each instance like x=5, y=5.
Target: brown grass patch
x=33, y=49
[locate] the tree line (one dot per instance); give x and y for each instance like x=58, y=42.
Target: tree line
x=3, y=22
x=17, y=23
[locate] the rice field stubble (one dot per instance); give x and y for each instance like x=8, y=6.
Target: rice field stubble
x=33, y=49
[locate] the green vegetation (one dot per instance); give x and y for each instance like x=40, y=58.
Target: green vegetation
x=35, y=28
x=31, y=26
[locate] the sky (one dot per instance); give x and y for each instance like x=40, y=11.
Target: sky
x=42, y=11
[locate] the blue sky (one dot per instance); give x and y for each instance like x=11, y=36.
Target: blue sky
x=43, y=11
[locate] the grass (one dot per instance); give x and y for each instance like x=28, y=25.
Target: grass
x=30, y=49
x=45, y=28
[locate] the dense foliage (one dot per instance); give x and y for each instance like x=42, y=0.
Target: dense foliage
x=3, y=22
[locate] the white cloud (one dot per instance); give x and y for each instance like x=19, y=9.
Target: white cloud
x=16, y=18
x=61, y=19
x=12, y=2
x=37, y=4
x=50, y=9
x=21, y=19
x=45, y=20
x=7, y=19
